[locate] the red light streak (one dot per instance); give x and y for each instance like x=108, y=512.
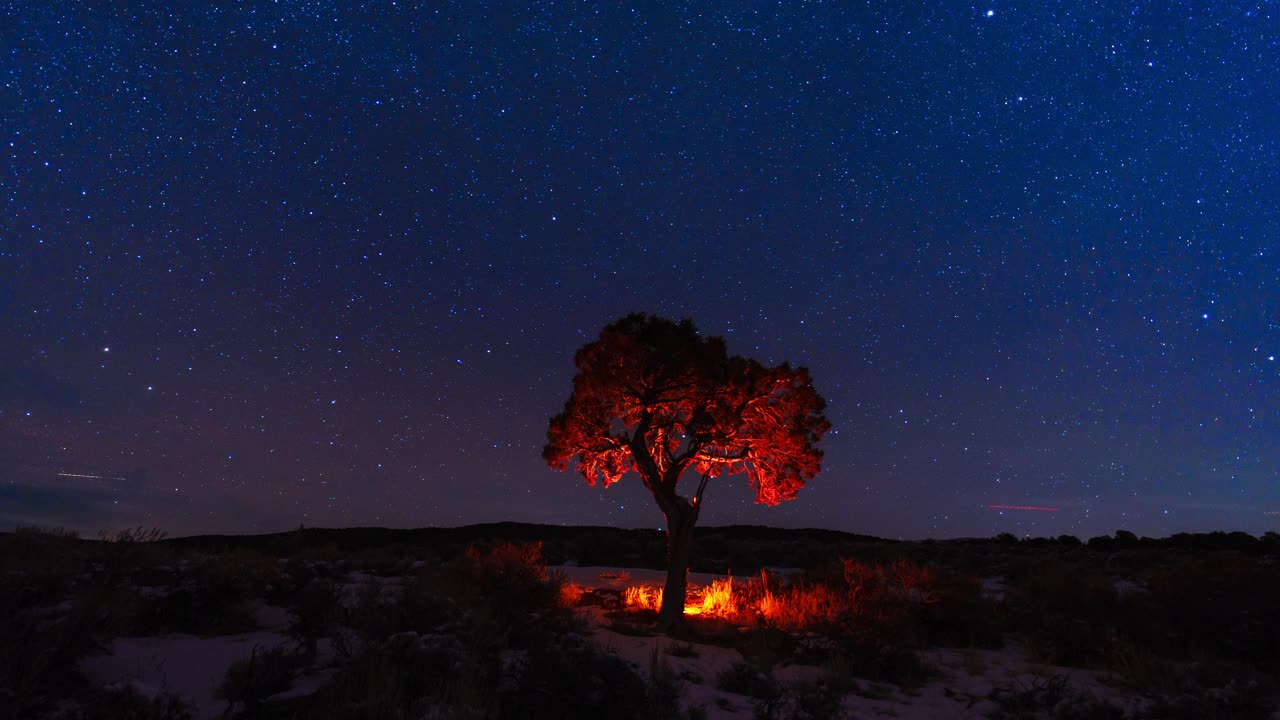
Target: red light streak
x=1023, y=507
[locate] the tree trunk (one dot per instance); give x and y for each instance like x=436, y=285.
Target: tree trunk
x=680, y=521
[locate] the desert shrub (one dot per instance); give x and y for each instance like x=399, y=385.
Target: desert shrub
x=119, y=554
x=313, y=612
x=766, y=646
x=1050, y=697
x=665, y=686
x=1232, y=703
x=415, y=675
x=36, y=551
x=264, y=673
x=1137, y=667
x=1204, y=688
x=885, y=662
x=377, y=613
x=750, y=680
x=507, y=566
x=397, y=677
x=508, y=582
x=801, y=605
x=39, y=652
x=682, y=650
x=1068, y=612
x=1220, y=604
x=567, y=676
x=126, y=703
x=802, y=701
x=570, y=595
x=962, y=617
x=215, y=595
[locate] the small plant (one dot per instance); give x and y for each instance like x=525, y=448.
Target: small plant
x=1053, y=696
x=507, y=564
x=570, y=595
x=750, y=680
x=313, y=613
x=802, y=701
x=682, y=650
x=126, y=703
x=264, y=673
x=664, y=684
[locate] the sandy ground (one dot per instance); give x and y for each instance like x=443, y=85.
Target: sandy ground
x=189, y=666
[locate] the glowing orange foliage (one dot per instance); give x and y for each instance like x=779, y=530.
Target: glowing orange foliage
x=655, y=397
x=714, y=600
x=570, y=594
x=643, y=597
x=864, y=593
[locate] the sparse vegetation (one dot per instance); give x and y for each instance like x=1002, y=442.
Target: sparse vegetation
x=1051, y=697
x=251, y=681
x=485, y=629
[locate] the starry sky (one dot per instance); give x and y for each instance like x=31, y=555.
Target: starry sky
x=276, y=263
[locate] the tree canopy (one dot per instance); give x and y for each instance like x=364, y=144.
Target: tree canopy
x=655, y=397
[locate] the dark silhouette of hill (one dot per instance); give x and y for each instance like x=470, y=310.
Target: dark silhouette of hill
x=364, y=538
x=739, y=548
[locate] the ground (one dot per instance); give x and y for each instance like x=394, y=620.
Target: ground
x=967, y=679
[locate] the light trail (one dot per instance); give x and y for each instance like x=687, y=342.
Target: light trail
x=1023, y=507
x=91, y=477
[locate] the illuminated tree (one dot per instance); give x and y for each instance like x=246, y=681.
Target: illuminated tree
x=654, y=397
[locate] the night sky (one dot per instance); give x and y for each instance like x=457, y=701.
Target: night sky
x=292, y=263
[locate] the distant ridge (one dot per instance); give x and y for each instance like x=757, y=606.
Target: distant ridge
x=369, y=537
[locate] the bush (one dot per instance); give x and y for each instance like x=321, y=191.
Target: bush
x=1221, y=604
x=377, y=614
x=1051, y=697
x=1068, y=612
x=313, y=613
x=509, y=582
x=38, y=656
x=397, y=677
x=264, y=673
x=126, y=703
x=802, y=701
x=750, y=680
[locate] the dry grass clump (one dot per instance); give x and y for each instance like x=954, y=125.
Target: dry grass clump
x=642, y=597
x=856, y=593
x=571, y=594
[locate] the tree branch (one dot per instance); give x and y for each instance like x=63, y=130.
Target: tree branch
x=740, y=455
x=702, y=486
